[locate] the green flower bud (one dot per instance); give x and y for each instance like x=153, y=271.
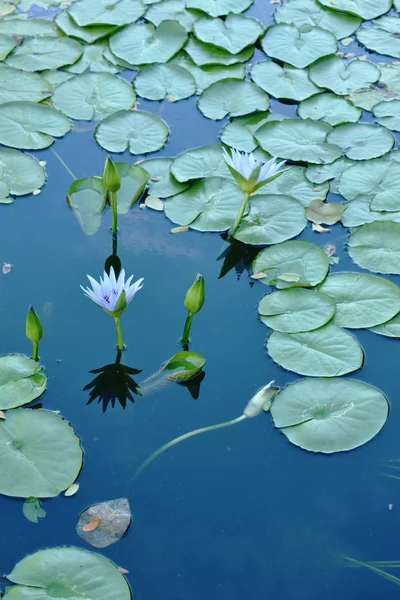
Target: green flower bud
x=120, y=305
x=194, y=298
x=33, y=326
x=111, y=178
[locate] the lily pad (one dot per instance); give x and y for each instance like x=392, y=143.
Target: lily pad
x=310, y=12
x=332, y=172
x=106, y=12
x=301, y=140
x=6, y=9
x=329, y=108
x=209, y=74
x=239, y=132
x=296, y=310
x=233, y=34
x=362, y=300
x=94, y=59
x=31, y=126
x=87, y=198
x=133, y=182
x=328, y=213
x=139, y=131
x=328, y=416
x=389, y=329
x=68, y=571
x=162, y=183
x=45, y=52
x=308, y=261
x=201, y=162
x=232, y=97
x=388, y=114
x=377, y=179
x=21, y=380
x=325, y=352
x=172, y=10
x=358, y=212
x=271, y=220
x=219, y=8
x=158, y=81
x=362, y=140
x=16, y=85
x=142, y=43
x=384, y=38
x=376, y=247
x=87, y=34
x=28, y=27
x=210, y=204
x=20, y=173
x=183, y=366
x=294, y=183
x=298, y=47
x=206, y=54
x=283, y=82
x=114, y=518
x=366, y=9
x=40, y=454
x=341, y=77
x=93, y=96
x=7, y=44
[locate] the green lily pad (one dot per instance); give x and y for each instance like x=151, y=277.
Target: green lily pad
x=16, y=85
x=20, y=173
x=106, y=12
x=183, y=366
x=21, y=380
x=302, y=140
x=384, y=38
x=33, y=510
x=133, y=182
x=87, y=34
x=376, y=247
x=7, y=44
x=341, y=77
x=54, y=78
x=331, y=172
x=296, y=310
x=329, y=108
x=40, y=454
x=6, y=9
x=31, y=126
x=200, y=162
x=328, y=213
x=362, y=140
x=298, y=47
x=310, y=12
x=142, y=43
x=172, y=10
x=219, y=8
x=358, y=212
x=87, y=198
x=283, y=82
x=93, y=96
x=331, y=415
x=158, y=81
x=366, y=9
x=206, y=54
x=94, y=58
x=232, y=97
x=28, y=27
x=162, y=183
x=362, y=300
x=271, y=220
x=308, y=261
x=294, y=183
x=377, y=179
x=233, y=34
x=389, y=329
x=325, y=352
x=209, y=74
x=388, y=114
x=137, y=130
x=45, y=52
x=210, y=204
x=68, y=571
x=239, y=132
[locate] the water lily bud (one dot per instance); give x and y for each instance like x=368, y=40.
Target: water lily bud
x=194, y=298
x=33, y=326
x=260, y=401
x=111, y=178
x=120, y=305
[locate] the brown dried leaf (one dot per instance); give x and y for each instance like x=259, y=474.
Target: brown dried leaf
x=91, y=526
x=170, y=98
x=6, y=268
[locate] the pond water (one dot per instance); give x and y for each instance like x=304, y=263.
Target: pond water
x=232, y=513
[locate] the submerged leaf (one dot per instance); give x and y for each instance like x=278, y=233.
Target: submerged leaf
x=324, y=212
x=104, y=524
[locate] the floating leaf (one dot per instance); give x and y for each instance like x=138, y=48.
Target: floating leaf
x=46, y=52
x=332, y=172
x=358, y=212
x=294, y=183
x=219, y=8
x=388, y=114
x=106, y=12
x=328, y=213
x=283, y=82
x=20, y=173
x=133, y=182
x=104, y=524
x=325, y=352
x=209, y=74
x=231, y=97
x=296, y=310
x=93, y=96
x=201, y=162
x=233, y=34
x=139, y=131
x=154, y=203
x=239, y=132
x=157, y=81
x=18, y=85
x=21, y=380
x=142, y=43
x=331, y=415
x=28, y=27
x=384, y=38
x=362, y=140
x=389, y=329
x=40, y=455
x=343, y=77
x=366, y=9
x=30, y=126
x=87, y=34
x=72, y=490
x=376, y=247
x=87, y=198
x=298, y=47
x=206, y=54
x=304, y=259
x=33, y=510
x=171, y=10
x=330, y=108
x=377, y=181
x=94, y=59
x=162, y=183
x=183, y=366
x=6, y=9
x=7, y=43
x=362, y=300
x=74, y=571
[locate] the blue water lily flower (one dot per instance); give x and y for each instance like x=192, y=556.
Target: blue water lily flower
x=113, y=294
x=250, y=173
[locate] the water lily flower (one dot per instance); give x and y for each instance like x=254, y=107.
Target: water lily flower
x=250, y=173
x=107, y=294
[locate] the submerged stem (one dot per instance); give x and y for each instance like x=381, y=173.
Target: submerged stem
x=35, y=351
x=240, y=214
x=120, y=341
x=64, y=164
x=186, y=330
x=114, y=222
x=185, y=436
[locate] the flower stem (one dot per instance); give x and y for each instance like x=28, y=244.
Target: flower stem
x=186, y=330
x=35, y=351
x=120, y=341
x=240, y=214
x=114, y=222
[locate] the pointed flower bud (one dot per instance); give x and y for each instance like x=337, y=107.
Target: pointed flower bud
x=111, y=178
x=260, y=401
x=194, y=298
x=33, y=326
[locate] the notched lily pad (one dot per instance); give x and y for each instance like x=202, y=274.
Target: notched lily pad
x=328, y=213
x=21, y=380
x=114, y=519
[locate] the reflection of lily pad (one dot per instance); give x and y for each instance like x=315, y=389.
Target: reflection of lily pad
x=21, y=380
x=133, y=182
x=114, y=518
x=87, y=198
x=322, y=415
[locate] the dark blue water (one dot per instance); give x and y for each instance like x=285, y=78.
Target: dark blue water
x=234, y=513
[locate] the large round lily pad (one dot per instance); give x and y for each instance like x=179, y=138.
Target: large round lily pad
x=16, y=85
x=208, y=74
x=205, y=161
x=21, y=380
x=358, y=212
x=383, y=38
x=239, y=132
x=388, y=114
x=389, y=329
x=343, y=77
x=376, y=247
x=158, y=81
x=362, y=140
x=68, y=573
x=329, y=108
x=362, y=300
x=294, y=183
x=325, y=352
x=20, y=173
x=45, y=52
x=206, y=54
x=232, y=97
x=88, y=34
x=218, y=8
x=106, y=12
x=366, y=9
x=171, y=10
x=328, y=416
x=40, y=455
x=27, y=27
x=95, y=58
x=296, y=310
x=377, y=179
x=233, y=34
x=283, y=82
x=137, y=130
x=162, y=183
